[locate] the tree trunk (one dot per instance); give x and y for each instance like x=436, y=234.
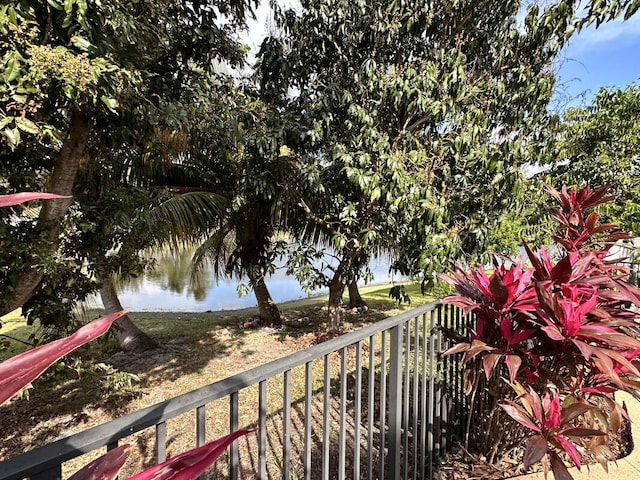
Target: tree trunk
x=268, y=310
x=336, y=289
x=130, y=337
x=72, y=155
x=355, y=300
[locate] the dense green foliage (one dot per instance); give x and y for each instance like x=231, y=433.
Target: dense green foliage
x=385, y=127
x=599, y=144
x=93, y=100
x=417, y=118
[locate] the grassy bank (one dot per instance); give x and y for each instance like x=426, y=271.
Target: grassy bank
x=15, y=334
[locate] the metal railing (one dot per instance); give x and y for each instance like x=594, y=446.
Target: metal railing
x=375, y=403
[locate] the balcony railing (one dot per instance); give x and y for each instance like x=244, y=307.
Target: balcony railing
x=375, y=403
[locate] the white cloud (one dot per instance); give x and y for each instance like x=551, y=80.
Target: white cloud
x=617, y=31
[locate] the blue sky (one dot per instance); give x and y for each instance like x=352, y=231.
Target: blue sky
x=605, y=57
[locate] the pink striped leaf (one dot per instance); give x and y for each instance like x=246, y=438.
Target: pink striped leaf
x=105, y=467
x=17, y=372
x=189, y=465
x=17, y=198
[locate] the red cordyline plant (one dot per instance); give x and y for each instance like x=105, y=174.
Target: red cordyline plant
x=19, y=371
x=551, y=343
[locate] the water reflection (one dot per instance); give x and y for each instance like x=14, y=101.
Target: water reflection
x=171, y=287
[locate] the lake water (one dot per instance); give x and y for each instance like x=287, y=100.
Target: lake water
x=168, y=288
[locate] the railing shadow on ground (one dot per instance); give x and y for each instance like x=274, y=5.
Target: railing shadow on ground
x=384, y=388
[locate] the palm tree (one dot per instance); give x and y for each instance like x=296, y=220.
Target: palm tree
x=239, y=161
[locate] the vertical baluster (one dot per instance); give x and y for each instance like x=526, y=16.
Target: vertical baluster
x=286, y=427
x=416, y=405
x=405, y=399
x=357, y=412
x=262, y=430
x=371, y=403
x=431, y=411
x=201, y=419
x=423, y=405
x=308, y=392
x=395, y=399
x=439, y=385
x=383, y=402
x=161, y=442
x=342, y=429
x=234, y=457
x=458, y=381
x=326, y=412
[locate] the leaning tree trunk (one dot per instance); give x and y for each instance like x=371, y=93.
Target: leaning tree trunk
x=130, y=337
x=72, y=155
x=267, y=308
x=355, y=300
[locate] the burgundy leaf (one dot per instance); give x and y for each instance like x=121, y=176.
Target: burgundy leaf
x=520, y=416
x=105, y=467
x=498, y=290
x=597, y=197
x=535, y=262
x=582, y=432
x=591, y=221
x=536, y=449
x=460, y=347
x=489, y=362
x=585, y=349
x=561, y=198
x=560, y=471
x=553, y=333
x=17, y=372
x=608, y=226
x=573, y=411
x=561, y=273
x=190, y=464
x=545, y=299
x=513, y=364
x=22, y=197
x=570, y=448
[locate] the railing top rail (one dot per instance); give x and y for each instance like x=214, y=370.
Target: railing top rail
x=53, y=454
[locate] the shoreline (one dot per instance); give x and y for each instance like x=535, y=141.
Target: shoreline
x=285, y=305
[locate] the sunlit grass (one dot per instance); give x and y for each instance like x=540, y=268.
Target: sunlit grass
x=14, y=334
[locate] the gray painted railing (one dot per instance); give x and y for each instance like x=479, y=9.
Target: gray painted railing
x=387, y=405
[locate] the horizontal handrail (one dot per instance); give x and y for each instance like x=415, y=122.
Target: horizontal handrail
x=109, y=433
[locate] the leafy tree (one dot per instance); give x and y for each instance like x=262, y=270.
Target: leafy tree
x=93, y=83
x=416, y=116
x=599, y=144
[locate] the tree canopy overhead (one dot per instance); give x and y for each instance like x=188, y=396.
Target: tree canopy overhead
x=95, y=92
x=417, y=116
x=395, y=126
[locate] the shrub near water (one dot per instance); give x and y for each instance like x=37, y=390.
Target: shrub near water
x=552, y=343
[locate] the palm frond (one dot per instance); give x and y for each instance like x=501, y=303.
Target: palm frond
x=215, y=251
x=187, y=218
